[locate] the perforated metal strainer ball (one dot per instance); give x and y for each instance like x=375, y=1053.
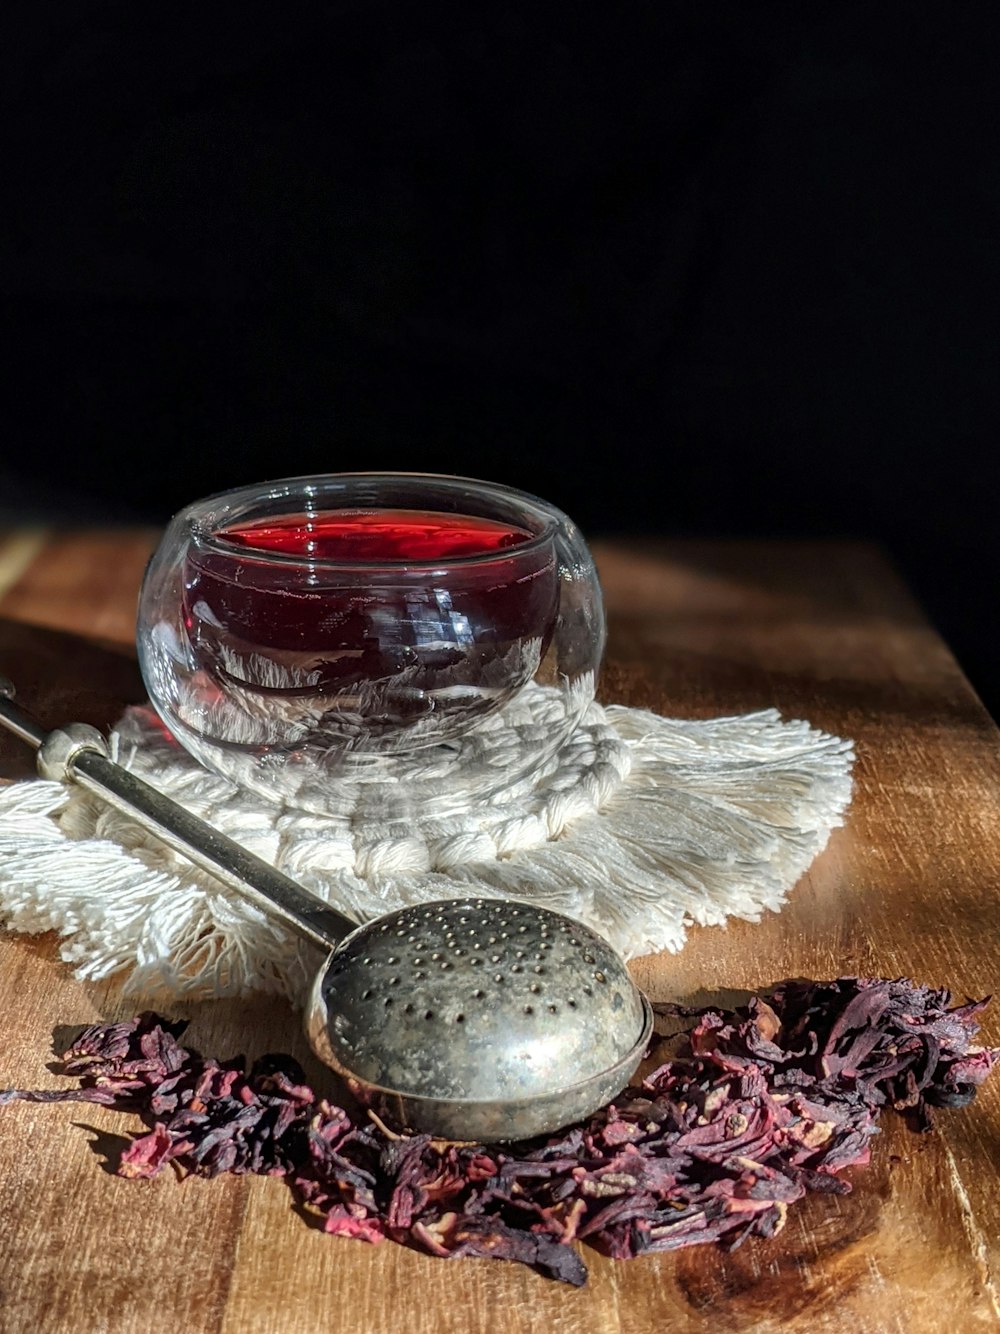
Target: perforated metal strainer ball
x=479, y=1018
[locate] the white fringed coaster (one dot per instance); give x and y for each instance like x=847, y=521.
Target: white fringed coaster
x=641, y=827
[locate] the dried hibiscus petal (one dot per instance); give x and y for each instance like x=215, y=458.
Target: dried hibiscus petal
x=760, y=1106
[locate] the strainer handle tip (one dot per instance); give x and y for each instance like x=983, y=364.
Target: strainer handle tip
x=78, y=753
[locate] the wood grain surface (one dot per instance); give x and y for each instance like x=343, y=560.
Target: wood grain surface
x=910, y=886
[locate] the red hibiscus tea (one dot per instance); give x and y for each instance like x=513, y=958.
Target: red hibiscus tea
x=374, y=537
x=372, y=645
x=357, y=624
x=759, y=1107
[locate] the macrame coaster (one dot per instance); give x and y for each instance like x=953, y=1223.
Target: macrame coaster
x=641, y=826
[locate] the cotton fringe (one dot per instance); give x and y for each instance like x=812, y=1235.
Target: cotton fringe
x=642, y=827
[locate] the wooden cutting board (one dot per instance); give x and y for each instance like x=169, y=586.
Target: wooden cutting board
x=910, y=886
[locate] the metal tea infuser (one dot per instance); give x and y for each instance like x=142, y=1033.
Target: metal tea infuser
x=470, y=1019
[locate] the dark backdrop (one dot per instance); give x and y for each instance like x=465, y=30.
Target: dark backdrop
x=696, y=268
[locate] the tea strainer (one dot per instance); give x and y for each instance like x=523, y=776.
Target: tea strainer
x=472, y=1018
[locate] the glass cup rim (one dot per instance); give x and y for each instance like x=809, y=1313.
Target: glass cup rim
x=198, y=511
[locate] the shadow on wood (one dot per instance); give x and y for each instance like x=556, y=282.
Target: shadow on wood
x=63, y=678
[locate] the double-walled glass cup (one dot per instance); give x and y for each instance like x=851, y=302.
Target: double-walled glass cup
x=373, y=645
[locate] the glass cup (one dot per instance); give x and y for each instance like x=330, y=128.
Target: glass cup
x=376, y=645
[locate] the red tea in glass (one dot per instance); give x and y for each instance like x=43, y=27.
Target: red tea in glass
x=373, y=619
x=372, y=646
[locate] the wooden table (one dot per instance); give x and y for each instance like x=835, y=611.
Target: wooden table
x=910, y=886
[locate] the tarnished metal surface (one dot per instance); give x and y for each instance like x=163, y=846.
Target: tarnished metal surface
x=492, y=1018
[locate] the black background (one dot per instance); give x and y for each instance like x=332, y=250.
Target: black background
x=683, y=268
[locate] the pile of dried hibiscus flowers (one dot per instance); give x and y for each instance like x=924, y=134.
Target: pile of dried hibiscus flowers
x=760, y=1106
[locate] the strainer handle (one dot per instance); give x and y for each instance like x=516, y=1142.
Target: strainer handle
x=78, y=753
